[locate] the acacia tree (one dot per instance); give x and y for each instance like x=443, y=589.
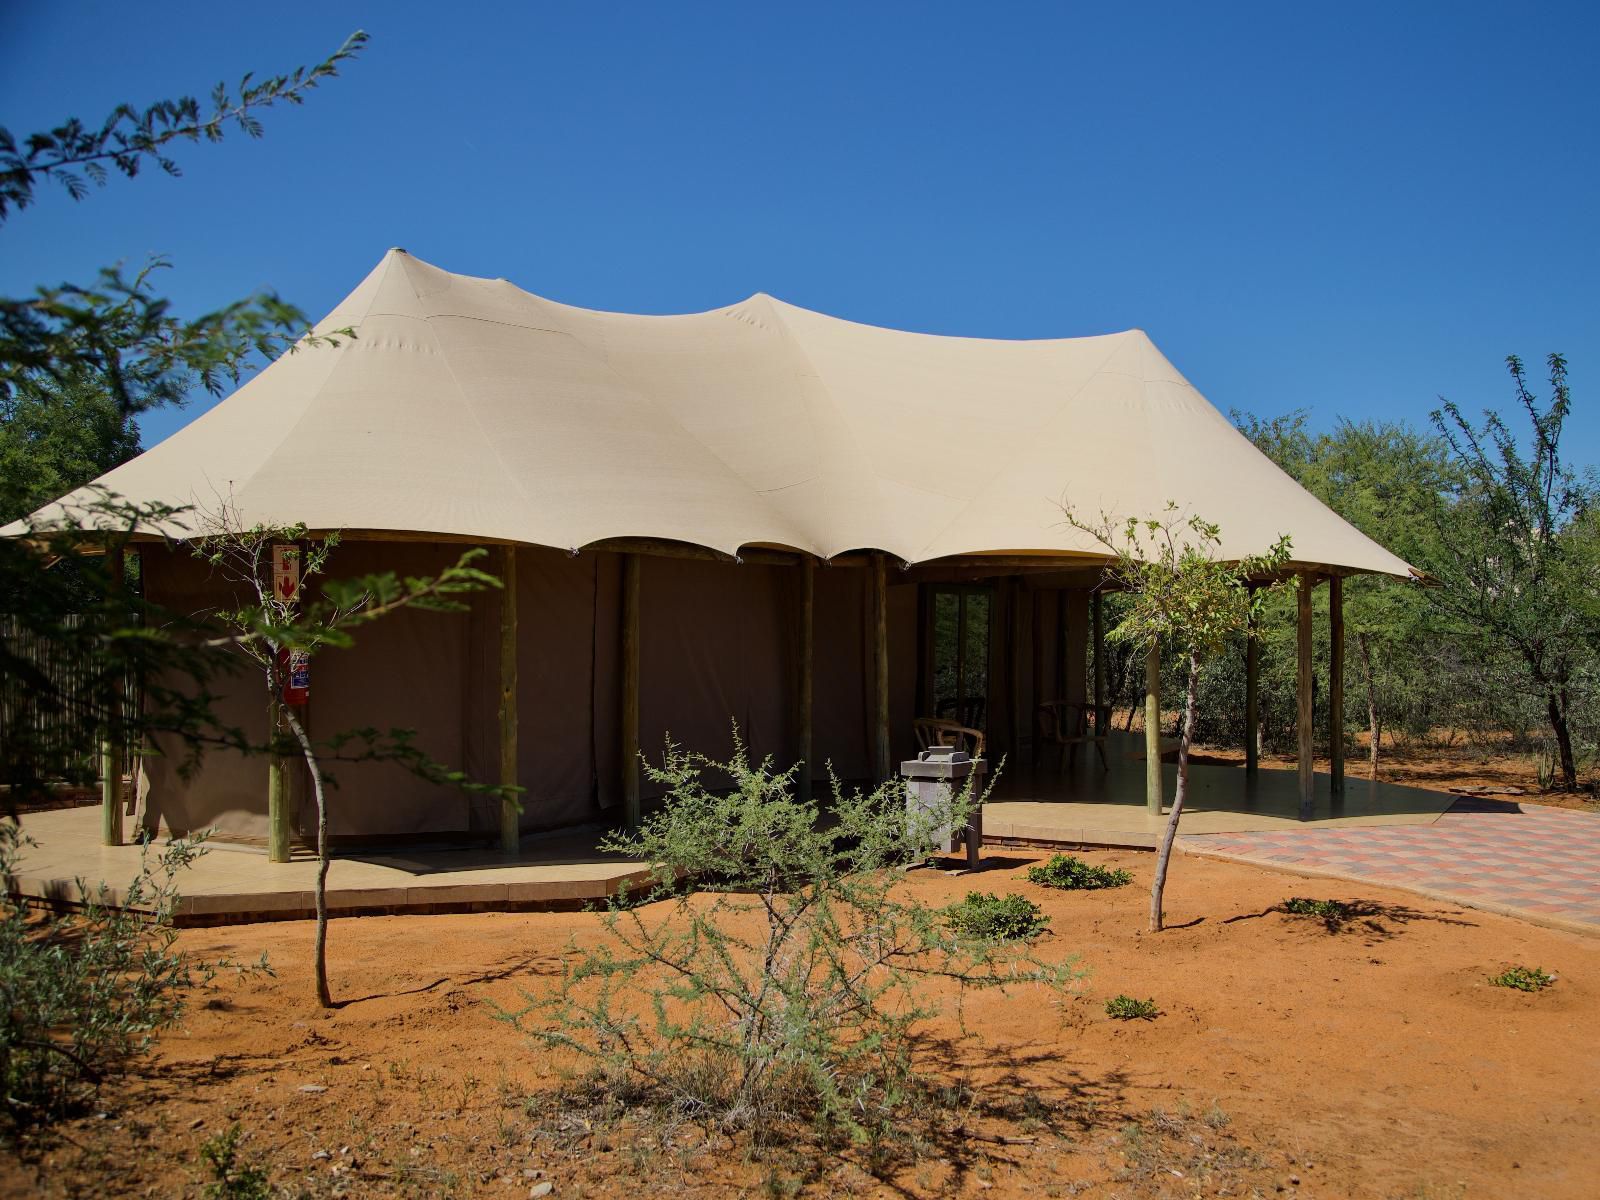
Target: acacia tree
x=118, y=329
x=1515, y=563
x=1181, y=594
x=77, y=363
x=270, y=625
x=1380, y=476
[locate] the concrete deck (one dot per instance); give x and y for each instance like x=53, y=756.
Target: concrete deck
x=233, y=883
x=1041, y=806
x=1087, y=806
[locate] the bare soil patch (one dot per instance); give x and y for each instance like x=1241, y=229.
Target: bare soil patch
x=1291, y=1059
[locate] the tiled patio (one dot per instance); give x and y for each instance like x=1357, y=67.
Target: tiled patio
x=1526, y=860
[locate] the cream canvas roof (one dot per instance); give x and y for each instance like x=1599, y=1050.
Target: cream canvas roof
x=467, y=407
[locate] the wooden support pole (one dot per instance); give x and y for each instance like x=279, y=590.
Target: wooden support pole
x=277, y=788
x=510, y=833
x=111, y=737
x=1336, y=684
x=1036, y=649
x=808, y=648
x=879, y=591
x=1303, y=714
x=1252, y=698
x=1013, y=602
x=1152, y=728
x=1098, y=626
x=629, y=722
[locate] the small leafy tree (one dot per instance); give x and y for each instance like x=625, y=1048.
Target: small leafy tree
x=1382, y=477
x=56, y=436
x=72, y=633
x=783, y=985
x=77, y=362
x=1515, y=560
x=1180, y=594
x=118, y=330
x=267, y=625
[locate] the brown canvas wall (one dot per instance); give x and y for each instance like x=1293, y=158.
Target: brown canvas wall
x=555, y=693
x=719, y=642
x=229, y=793
x=839, y=714
x=717, y=647
x=903, y=654
x=405, y=672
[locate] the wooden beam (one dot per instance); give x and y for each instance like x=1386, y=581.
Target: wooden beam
x=1336, y=684
x=1152, y=729
x=1303, y=713
x=1252, y=698
x=510, y=833
x=278, y=816
x=808, y=646
x=111, y=738
x=629, y=722
x=1098, y=633
x=666, y=548
x=1036, y=653
x=1013, y=651
x=879, y=591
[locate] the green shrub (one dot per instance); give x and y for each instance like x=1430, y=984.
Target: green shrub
x=1126, y=1008
x=1524, y=979
x=230, y=1179
x=1074, y=874
x=990, y=918
x=1333, y=911
x=87, y=991
x=787, y=1000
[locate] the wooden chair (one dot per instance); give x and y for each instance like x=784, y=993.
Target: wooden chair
x=937, y=731
x=1067, y=726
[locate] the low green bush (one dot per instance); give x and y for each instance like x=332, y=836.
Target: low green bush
x=1327, y=910
x=1074, y=874
x=1524, y=979
x=232, y=1179
x=1126, y=1008
x=990, y=918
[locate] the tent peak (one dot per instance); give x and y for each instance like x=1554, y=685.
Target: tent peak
x=760, y=297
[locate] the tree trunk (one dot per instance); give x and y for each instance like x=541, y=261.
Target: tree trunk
x=1190, y=706
x=1374, y=726
x=320, y=954
x=1558, y=725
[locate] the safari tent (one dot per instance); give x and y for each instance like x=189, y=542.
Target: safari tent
x=758, y=514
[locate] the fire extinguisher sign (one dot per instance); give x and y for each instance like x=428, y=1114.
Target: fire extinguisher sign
x=285, y=572
x=295, y=668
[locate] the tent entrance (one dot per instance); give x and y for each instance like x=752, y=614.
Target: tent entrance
x=956, y=659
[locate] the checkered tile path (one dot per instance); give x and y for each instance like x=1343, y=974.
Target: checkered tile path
x=1541, y=861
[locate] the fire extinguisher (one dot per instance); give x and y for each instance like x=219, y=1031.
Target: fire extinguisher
x=294, y=667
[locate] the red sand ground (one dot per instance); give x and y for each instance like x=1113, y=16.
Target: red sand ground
x=1289, y=1060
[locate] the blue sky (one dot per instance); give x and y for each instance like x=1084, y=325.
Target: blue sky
x=1349, y=208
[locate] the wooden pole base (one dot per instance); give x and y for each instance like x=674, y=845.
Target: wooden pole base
x=1152, y=729
x=510, y=809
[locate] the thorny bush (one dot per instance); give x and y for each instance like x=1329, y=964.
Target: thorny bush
x=784, y=979
x=84, y=993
